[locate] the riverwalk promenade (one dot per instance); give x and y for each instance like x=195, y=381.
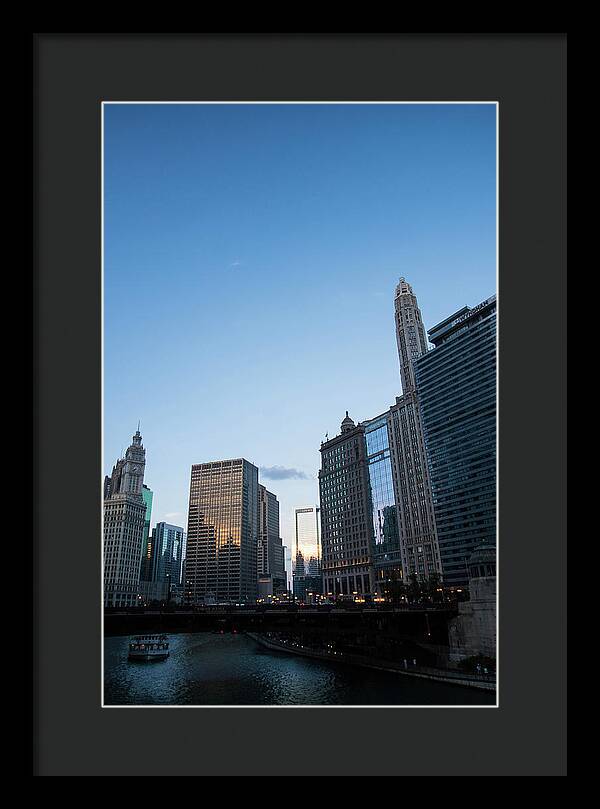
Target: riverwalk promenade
x=485, y=682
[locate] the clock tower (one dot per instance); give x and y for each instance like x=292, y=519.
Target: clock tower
x=133, y=469
x=125, y=515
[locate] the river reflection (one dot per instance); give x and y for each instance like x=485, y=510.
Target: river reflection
x=211, y=669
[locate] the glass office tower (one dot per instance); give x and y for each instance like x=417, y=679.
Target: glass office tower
x=307, y=560
x=456, y=384
x=307, y=533
x=222, y=533
x=167, y=543
x=386, y=546
x=147, y=553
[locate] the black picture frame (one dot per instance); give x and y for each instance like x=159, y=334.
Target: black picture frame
x=72, y=74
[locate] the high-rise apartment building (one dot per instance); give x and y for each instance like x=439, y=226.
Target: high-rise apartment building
x=124, y=519
x=222, y=533
x=346, y=515
x=456, y=384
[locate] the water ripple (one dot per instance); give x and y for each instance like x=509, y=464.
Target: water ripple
x=213, y=669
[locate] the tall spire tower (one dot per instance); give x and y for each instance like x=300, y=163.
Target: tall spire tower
x=124, y=525
x=419, y=548
x=134, y=466
x=410, y=333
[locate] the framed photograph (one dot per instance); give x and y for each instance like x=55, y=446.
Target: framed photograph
x=285, y=332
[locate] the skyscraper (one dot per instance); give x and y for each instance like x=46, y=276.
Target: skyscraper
x=307, y=532
x=346, y=517
x=416, y=521
x=396, y=491
x=307, y=551
x=287, y=557
x=222, y=532
x=457, y=392
x=419, y=550
x=167, y=544
x=270, y=561
x=146, y=571
x=387, y=557
x=410, y=333
x=270, y=547
x=124, y=518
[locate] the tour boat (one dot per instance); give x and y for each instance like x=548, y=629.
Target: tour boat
x=149, y=647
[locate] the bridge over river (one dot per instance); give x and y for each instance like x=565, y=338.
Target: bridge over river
x=401, y=628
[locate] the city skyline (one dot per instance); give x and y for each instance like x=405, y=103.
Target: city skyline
x=271, y=378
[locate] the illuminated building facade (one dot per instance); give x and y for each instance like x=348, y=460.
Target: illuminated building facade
x=222, y=533
x=307, y=560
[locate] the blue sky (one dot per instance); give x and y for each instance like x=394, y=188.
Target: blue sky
x=250, y=258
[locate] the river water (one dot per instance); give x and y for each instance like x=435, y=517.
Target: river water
x=211, y=669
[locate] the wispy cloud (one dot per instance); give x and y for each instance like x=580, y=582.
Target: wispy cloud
x=236, y=263
x=283, y=473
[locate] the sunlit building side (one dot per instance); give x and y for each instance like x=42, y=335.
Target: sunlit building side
x=222, y=533
x=307, y=556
